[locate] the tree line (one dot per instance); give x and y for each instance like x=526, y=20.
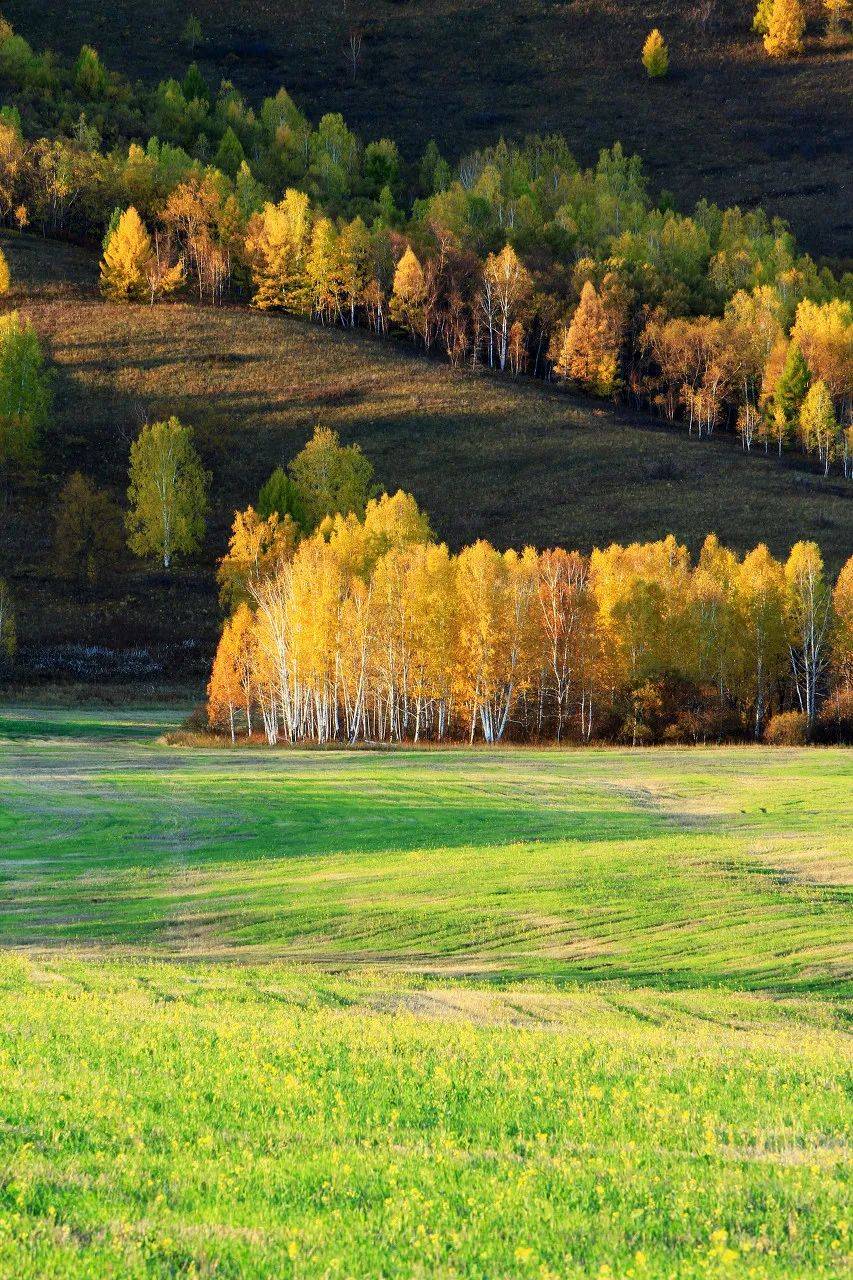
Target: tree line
x=366, y=629
x=517, y=259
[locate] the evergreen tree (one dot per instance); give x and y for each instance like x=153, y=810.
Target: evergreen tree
x=230, y=154
x=790, y=392
x=280, y=496
x=655, y=55
x=195, y=85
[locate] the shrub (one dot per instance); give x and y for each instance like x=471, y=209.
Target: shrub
x=787, y=729
x=835, y=721
x=655, y=55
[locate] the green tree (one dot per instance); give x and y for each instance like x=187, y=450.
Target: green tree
x=167, y=492
x=90, y=74
x=192, y=34
x=88, y=530
x=790, y=393
x=195, y=85
x=25, y=395
x=8, y=634
x=655, y=55
x=331, y=477
x=280, y=496
x=230, y=154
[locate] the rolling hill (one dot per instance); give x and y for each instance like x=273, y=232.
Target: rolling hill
x=515, y=462
x=728, y=123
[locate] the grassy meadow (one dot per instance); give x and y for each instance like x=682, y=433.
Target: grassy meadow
x=423, y=1013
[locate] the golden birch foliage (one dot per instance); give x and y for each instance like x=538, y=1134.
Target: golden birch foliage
x=655, y=55
x=130, y=269
x=786, y=25
x=257, y=549
x=232, y=675
x=760, y=600
x=842, y=603
x=824, y=334
x=818, y=427
x=5, y=275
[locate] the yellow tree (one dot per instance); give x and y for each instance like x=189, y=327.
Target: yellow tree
x=278, y=241
x=786, y=25
x=760, y=603
x=842, y=636
x=232, y=677
x=507, y=287
x=818, y=427
x=409, y=294
x=824, y=334
x=587, y=350
x=130, y=268
x=809, y=613
x=655, y=55
x=257, y=549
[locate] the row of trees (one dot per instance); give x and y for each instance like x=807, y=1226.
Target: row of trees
x=778, y=382
x=371, y=631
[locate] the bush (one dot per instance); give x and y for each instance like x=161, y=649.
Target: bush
x=835, y=722
x=787, y=729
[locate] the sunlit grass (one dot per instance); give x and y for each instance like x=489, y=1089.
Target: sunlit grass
x=497, y=1014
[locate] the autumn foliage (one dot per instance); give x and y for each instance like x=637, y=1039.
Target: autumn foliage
x=372, y=631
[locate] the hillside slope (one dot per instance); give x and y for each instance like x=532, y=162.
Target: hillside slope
x=728, y=122
x=517, y=463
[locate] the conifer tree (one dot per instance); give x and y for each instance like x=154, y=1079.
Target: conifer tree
x=130, y=269
x=786, y=25
x=655, y=55
x=587, y=352
x=409, y=292
x=789, y=394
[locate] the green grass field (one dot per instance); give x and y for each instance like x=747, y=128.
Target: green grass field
x=448, y=1013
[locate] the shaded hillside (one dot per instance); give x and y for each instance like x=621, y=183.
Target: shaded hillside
x=728, y=123
x=513, y=462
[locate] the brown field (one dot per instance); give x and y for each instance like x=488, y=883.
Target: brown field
x=728, y=122
x=516, y=463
